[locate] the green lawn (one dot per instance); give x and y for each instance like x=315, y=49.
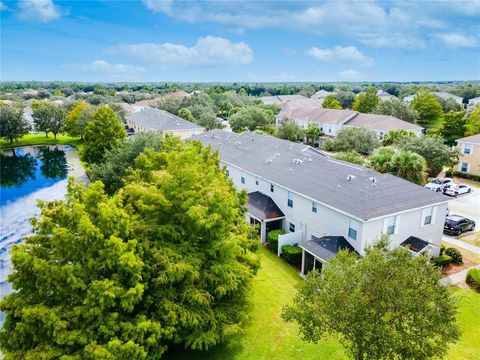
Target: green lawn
x=268, y=337
x=473, y=238
x=468, y=347
x=40, y=139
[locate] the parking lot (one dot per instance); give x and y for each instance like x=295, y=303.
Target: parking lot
x=467, y=205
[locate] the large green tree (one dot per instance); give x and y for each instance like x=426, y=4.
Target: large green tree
x=57, y=120
x=427, y=107
x=42, y=113
x=397, y=108
x=454, y=126
x=312, y=133
x=119, y=160
x=251, y=117
x=331, y=102
x=101, y=134
x=367, y=101
x=473, y=122
x=433, y=150
x=409, y=166
x=289, y=130
x=166, y=261
x=361, y=140
x=385, y=305
x=78, y=118
x=12, y=123
x=396, y=135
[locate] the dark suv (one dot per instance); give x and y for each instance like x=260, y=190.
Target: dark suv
x=456, y=225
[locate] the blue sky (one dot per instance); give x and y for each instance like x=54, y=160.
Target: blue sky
x=240, y=41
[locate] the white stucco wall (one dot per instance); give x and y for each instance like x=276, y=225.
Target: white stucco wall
x=329, y=221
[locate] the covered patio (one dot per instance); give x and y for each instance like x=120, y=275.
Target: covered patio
x=318, y=251
x=261, y=209
x=418, y=246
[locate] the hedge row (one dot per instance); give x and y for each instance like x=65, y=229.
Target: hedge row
x=448, y=256
x=473, y=278
x=272, y=239
x=292, y=254
x=463, y=175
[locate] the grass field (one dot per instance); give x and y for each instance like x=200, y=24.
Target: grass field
x=268, y=337
x=473, y=238
x=40, y=139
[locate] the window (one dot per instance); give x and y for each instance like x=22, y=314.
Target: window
x=291, y=227
x=426, y=216
x=381, y=135
x=464, y=167
x=256, y=181
x=290, y=200
x=329, y=130
x=228, y=172
x=314, y=207
x=272, y=188
x=353, y=229
x=242, y=179
x=467, y=149
x=389, y=225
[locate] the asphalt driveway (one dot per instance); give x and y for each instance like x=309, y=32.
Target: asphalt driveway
x=467, y=205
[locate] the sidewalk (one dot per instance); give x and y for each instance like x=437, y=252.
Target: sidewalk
x=457, y=277
x=463, y=245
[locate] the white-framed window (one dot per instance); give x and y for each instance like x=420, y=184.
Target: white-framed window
x=428, y=216
x=314, y=207
x=467, y=149
x=290, y=200
x=390, y=225
x=272, y=188
x=228, y=172
x=329, y=130
x=464, y=167
x=291, y=227
x=242, y=179
x=381, y=135
x=256, y=181
x=353, y=228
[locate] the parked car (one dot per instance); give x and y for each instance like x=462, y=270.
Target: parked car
x=456, y=189
x=456, y=225
x=438, y=184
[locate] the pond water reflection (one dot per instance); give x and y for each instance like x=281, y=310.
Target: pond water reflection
x=27, y=174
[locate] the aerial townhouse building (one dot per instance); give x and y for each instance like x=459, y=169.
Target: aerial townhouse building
x=328, y=204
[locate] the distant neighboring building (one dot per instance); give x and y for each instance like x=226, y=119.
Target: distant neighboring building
x=130, y=109
x=180, y=93
x=444, y=96
x=408, y=99
x=322, y=94
x=469, y=160
x=472, y=103
x=330, y=121
x=383, y=95
x=27, y=115
x=280, y=99
x=150, y=119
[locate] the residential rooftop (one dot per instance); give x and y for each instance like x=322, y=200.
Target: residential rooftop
x=280, y=99
x=474, y=139
x=160, y=120
x=355, y=190
x=381, y=122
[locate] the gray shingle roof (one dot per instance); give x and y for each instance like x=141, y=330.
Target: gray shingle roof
x=326, y=247
x=311, y=110
x=368, y=194
x=381, y=122
x=156, y=119
x=474, y=139
x=263, y=207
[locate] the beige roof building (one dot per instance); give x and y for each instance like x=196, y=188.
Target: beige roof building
x=469, y=160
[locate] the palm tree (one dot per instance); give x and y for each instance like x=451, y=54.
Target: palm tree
x=410, y=166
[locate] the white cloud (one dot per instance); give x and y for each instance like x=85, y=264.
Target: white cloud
x=459, y=40
x=121, y=71
x=163, y=6
x=208, y=51
x=349, y=74
x=39, y=10
x=339, y=54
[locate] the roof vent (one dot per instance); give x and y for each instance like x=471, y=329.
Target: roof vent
x=277, y=154
x=350, y=177
x=268, y=161
x=310, y=160
x=338, y=186
x=297, y=161
x=373, y=180
x=290, y=170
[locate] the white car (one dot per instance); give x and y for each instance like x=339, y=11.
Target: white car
x=438, y=184
x=456, y=189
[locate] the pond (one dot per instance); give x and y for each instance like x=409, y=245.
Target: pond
x=29, y=173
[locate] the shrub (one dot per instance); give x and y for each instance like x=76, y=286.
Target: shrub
x=463, y=175
x=292, y=254
x=272, y=239
x=442, y=249
x=442, y=260
x=455, y=254
x=473, y=278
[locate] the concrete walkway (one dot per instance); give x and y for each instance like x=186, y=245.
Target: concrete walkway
x=457, y=277
x=463, y=245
